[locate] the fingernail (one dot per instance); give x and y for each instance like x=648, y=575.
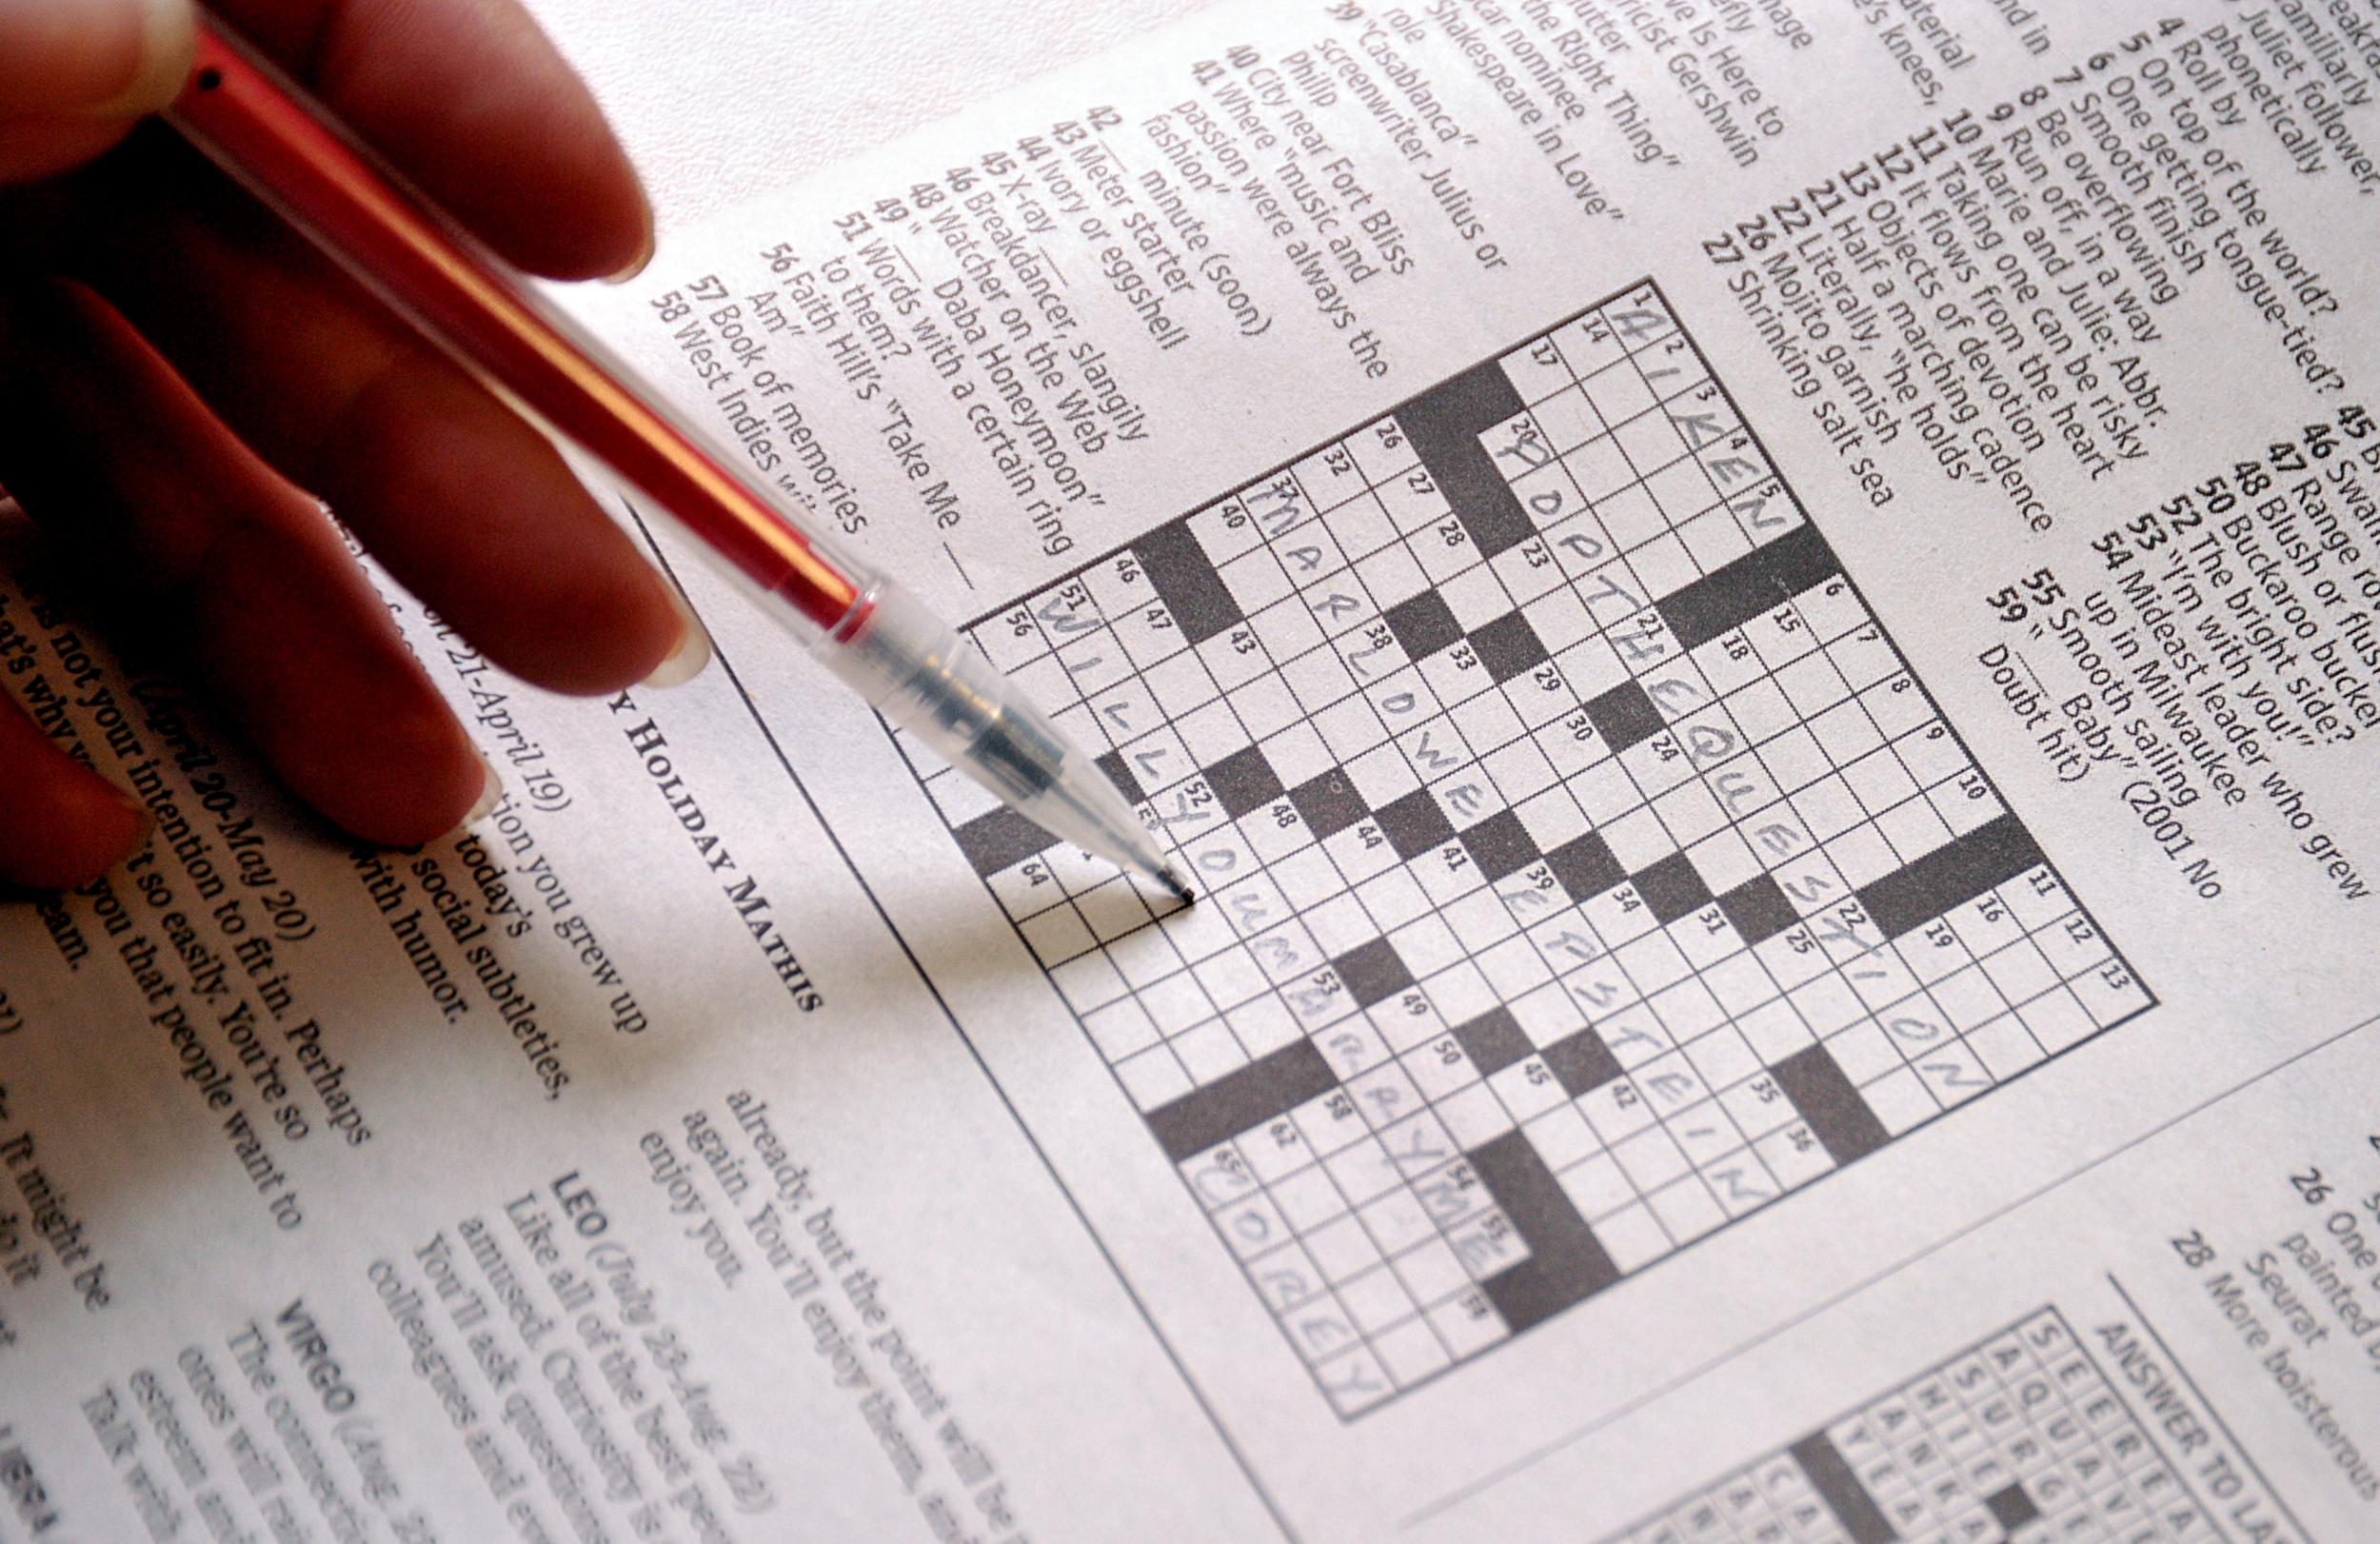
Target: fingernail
x=489, y=796
x=162, y=38
x=644, y=258
x=693, y=650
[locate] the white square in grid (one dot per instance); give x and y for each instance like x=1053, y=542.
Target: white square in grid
x=1391, y=576
x=1826, y=1003
x=1900, y=1101
x=1550, y=1012
x=1862, y=856
x=1088, y=981
x=1264, y=1024
x=2072, y=945
x=1120, y=1029
x=1176, y=1002
x=1561, y=1136
x=1476, y=598
x=1880, y=780
x=1376, y=1299
x=1486, y=722
x=1653, y=962
x=1913, y=829
x=1431, y=1271
x=2058, y=1020
x=1827, y=808
x=1524, y=1092
x=1662, y=567
x=1255, y=578
x=1596, y=1186
x=2110, y=993
x=2021, y=973
x=1467, y=1323
x=1758, y=1107
x=1812, y=684
x=1632, y=1237
x=1965, y=804
x=1459, y=995
x=1616, y=390
x=1046, y=684
x=1781, y=637
x=1861, y=655
x=1714, y=539
x=1655, y=765
x=1427, y=946
x=1951, y=1073
x=1519, y=772
x=1670, y=1081
x=1349, y=729
x=1310, y=552
x=1897, y=706
x=1724, y=859
x=1722, y=1057
x=1153, y=1077
x=1740, y=1181
x=1760, y=711
x=1794, y=1155
x=1411, y=1352
x=1529, y=571
x=1473, y=1115
x=1264, y=707
x=1212, y=733
x=1689, y=1009
x=1307, y=878
x=1775, y=1031
x=1536, y=372
x=1649, y=1158
x=1740, y=983
x=1208, y=1051
x=2006, y=1047
x=1637, y=838
x=1629, y=518
x=1341, y=1249
x=1335, y=926
x=1863, y=1051
x=1363, y=1170
x=1930, y=754
x=1329, y=1122
x=1686, y=1210
x=1396, y=1221
x=1552, y=818
x=1968, y=997
x=1844, y=732
x=1251, y=1226
x=1056, y=935
x=1688, y=812
x=1683, y=490
x=1317, y=679
x=1179, y=684
x=1308, y=1199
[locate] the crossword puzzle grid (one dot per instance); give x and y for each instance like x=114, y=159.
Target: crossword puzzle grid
x=2018, y=1437
x=1581, y=866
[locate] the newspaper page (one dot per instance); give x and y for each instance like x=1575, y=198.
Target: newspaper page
x=1758, y=620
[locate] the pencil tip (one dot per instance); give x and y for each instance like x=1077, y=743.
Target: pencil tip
x=1180, y=887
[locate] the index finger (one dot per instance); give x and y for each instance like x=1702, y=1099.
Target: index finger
x=469, y=100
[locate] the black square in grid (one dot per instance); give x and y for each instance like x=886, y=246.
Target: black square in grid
x=1509, y=647
x=2012, y=1507
x=1001, y=840
x=1584, y=867
x=1501, y=845
x=1423, y=624
x=1329, y=803
x=1244, y=781
x=1374, y=971
x=1414, y=824
x=1185, y=580
x=1672, y=888
x=1758, y=909
x=1582, y=1062
x=1120, y=775
x=1493, y=1041
x=1625, y=715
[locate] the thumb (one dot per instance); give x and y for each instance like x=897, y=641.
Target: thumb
x=75, y=73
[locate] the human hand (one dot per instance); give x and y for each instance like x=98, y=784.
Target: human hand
x=182, y=379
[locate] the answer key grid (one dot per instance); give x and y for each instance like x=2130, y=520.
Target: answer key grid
x=1581, y=866
x=2019, y=1438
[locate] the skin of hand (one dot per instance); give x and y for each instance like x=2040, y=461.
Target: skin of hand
x=184, y=383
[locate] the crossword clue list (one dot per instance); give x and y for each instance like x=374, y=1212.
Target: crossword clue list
x=2019, y=1438
x=1583, y=866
